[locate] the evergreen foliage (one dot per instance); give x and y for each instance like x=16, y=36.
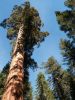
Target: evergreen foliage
x=60, y=79
x=43, y=90
x=66, y=20
x=28, y=17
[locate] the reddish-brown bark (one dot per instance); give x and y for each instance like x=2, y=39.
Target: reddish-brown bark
x=14, y=83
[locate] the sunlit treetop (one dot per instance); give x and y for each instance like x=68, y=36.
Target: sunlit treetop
x=52, y=65
x=28, y=17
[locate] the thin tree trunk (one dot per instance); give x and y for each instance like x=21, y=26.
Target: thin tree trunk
x=14, y=83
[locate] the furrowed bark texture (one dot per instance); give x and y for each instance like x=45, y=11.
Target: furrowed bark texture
x=14, y=83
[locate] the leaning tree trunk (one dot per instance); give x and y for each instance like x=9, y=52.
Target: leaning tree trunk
x=14, y=83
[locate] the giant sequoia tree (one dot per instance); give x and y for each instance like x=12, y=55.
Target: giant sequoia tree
x=24, y=30
x=66, y=20
x=43, y=90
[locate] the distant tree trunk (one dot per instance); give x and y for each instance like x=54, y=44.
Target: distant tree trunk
x=14, y=83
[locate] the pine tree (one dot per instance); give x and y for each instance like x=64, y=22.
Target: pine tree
x=43, y=90
x=24, y=30
x=66, y=20
x=60, y=79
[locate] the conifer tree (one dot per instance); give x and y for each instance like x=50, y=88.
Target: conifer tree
x=60, y=79
x=24, y=30
x=66, y=20
x=43, y=90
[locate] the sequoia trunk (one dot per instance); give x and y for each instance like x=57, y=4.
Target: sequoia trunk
x=14, y=83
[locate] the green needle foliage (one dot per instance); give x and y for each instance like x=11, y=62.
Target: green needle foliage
x=2, y=81
x=59, y=79
x=66, y=20
x=68, y=50
x=29, y=17
x=43, y=90
x=29, y=95
x=70, y=4
x=3, y=75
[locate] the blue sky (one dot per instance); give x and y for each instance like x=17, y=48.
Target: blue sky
x=50, y=47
